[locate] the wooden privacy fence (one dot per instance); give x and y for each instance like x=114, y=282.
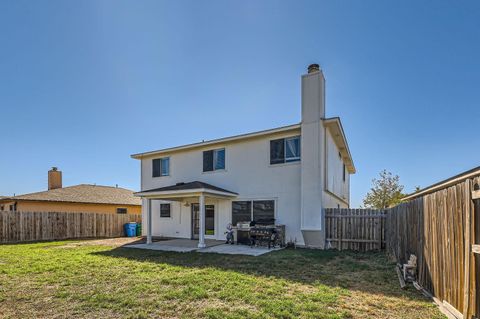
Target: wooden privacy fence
x=441, y=229
x=355, y=229
x=34, y=226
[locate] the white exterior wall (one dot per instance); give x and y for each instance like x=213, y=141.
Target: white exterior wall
x=247, y=172
x=301, y=190
x=337, y=191
x=313, y=140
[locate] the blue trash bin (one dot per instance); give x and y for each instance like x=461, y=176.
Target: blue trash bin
x=130, y=229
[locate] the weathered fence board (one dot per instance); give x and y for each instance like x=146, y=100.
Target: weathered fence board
x=34, y=226
x=355, y=229
x=439, y=228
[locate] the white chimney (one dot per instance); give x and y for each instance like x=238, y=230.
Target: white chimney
x=313, y=137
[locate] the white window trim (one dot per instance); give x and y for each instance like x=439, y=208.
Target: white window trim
x=295, y=161
x=224, y=169
x=161, y=166
x=292, y=159
x=160, y=210
x=169, y=166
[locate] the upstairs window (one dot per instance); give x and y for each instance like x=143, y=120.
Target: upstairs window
x=165, y=210
x=214, y=160
x=161, y=167
x=285, y=150
x=344, y=172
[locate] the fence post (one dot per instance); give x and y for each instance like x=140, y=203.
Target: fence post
x=468, y=252
x=342, y=229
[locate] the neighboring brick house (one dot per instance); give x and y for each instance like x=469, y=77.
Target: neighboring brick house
x=77, y=198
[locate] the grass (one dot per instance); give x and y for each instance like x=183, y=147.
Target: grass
x=73, y=280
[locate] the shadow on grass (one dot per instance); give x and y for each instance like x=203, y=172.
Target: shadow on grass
x=367, y=272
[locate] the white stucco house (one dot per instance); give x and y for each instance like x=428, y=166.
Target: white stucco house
x=288, y=173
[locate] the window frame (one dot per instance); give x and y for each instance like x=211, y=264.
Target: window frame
x=169, y=210
x=251, y=201
x=344, y=173
x=214, y=159
x=250, y=204
x=161, y=159
x=286, y=160
x=122, y=208
x=293, y=159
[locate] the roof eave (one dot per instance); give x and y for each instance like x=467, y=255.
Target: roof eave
x=218, y=141
x=184, y=193
x=335, y=125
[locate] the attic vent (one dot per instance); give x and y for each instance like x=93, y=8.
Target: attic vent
x=178, y=184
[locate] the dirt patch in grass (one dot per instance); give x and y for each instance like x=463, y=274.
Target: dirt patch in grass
x=110, y=242
x=99, y=279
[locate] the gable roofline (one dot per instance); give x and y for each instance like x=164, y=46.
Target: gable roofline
x=336, y=129
x=281, y=129
x=109, y=195
x=445, y=183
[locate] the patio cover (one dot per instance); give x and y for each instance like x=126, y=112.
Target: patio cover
x=183, y=190
x=180, y=191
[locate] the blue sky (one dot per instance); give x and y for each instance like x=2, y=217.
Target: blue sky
x=84, y=84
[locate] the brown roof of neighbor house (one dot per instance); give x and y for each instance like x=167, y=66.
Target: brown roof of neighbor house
x=83, y=193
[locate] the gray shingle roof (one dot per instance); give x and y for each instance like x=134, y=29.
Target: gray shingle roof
x=84, y=193
x=188, y=186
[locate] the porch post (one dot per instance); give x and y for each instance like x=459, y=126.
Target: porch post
x=201, y=230
x=149, y=222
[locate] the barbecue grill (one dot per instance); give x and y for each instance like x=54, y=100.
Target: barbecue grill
x=262, y=232
x=266, y=233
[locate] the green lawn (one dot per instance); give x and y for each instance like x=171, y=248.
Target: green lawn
x=77, y=280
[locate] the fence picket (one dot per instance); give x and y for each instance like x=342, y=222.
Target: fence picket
x=355, y=229
x=35, y=226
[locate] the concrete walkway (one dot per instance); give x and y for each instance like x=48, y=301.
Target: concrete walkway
x=213, y=246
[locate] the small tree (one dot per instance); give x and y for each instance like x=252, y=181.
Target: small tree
x=385, y=192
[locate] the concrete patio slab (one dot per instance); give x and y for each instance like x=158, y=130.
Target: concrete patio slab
x=237, y=250
x=176, y=245
x=213, y=246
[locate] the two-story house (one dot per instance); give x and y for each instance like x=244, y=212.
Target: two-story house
x=289, y=174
